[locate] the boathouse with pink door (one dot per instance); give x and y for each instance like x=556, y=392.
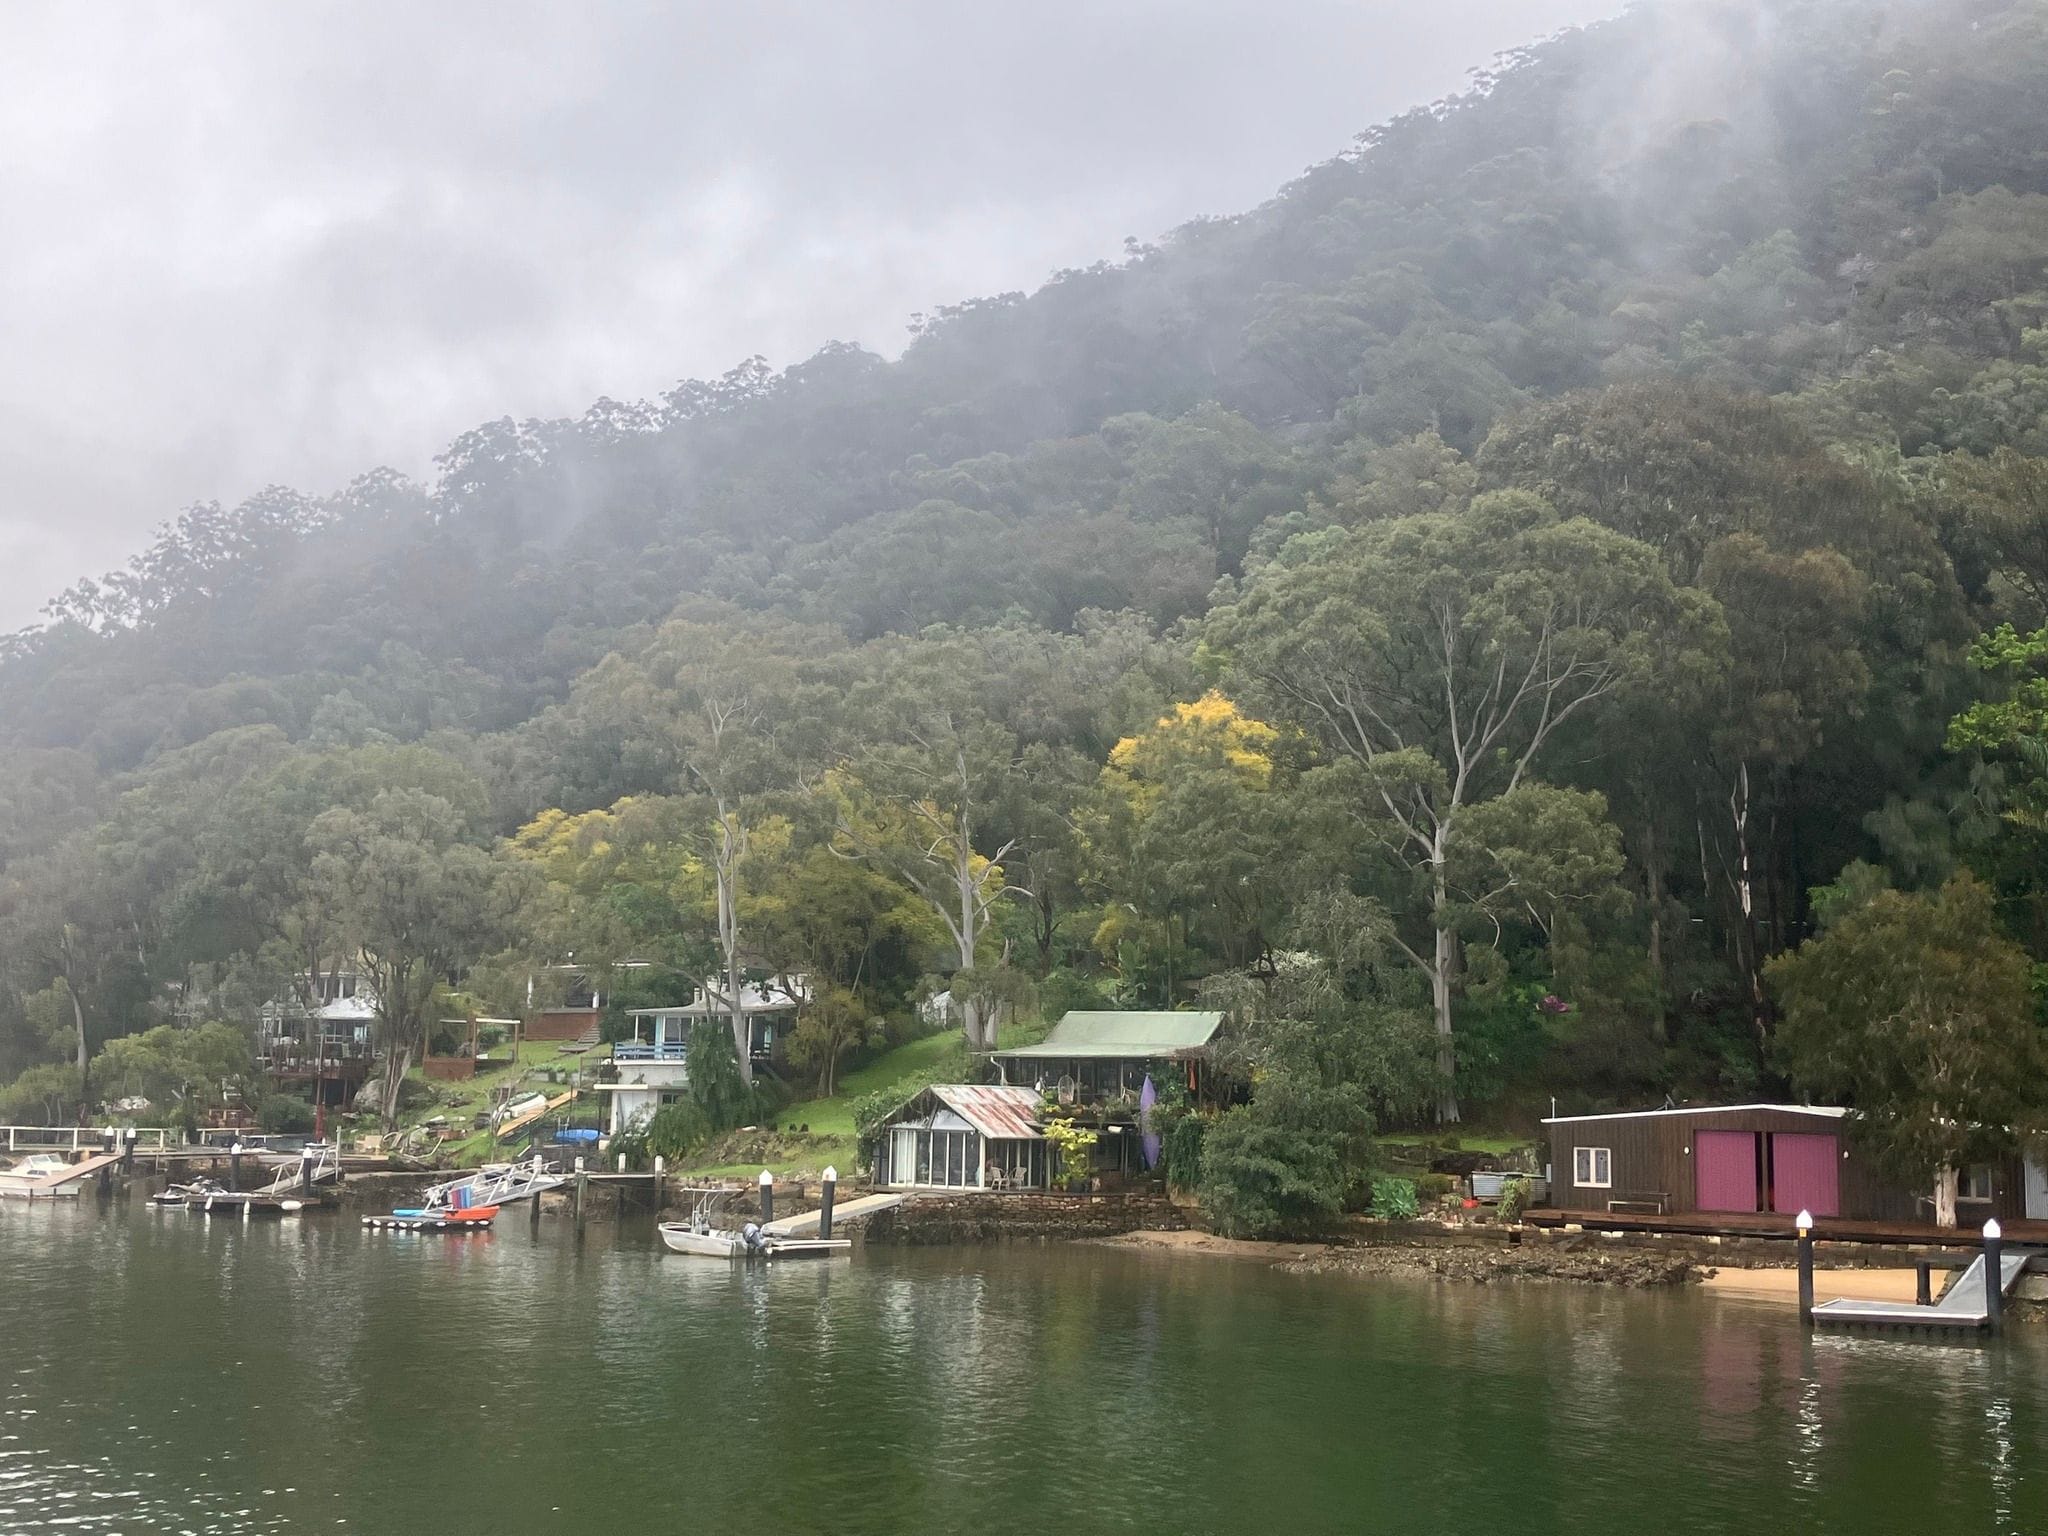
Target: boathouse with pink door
x=1748, y=1159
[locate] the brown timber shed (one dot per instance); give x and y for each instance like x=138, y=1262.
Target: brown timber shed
x=1780, y=1158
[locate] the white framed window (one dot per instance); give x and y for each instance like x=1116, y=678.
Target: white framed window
x=1974, y=1183
x=1593, y=1167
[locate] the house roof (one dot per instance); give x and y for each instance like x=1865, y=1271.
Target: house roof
x=1129, y=1035
x=1826, y=1111
x=755, y=997
x=1001, y=1114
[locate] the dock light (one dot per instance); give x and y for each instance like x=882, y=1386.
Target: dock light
x=1992, y=1228
x=1804, y=1222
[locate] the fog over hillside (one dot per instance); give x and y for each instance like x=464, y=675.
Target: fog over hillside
x=255, y=244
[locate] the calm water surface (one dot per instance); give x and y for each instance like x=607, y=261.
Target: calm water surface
x=167, y=1373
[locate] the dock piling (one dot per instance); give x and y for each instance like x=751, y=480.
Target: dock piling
x=128, y=1151
x=235, y=1167
x=828, y=1187
x=1994, y=1276
x=582, y=1188
x=1804, y=1222
x=659, y=1165
x=767, y=1182
x=307, y=1157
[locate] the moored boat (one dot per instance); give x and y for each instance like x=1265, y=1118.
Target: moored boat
x=31, y=1179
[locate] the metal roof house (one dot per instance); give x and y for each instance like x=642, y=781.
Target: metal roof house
x=1092, y=1057
x=964, y=1136
x=1742, y=1159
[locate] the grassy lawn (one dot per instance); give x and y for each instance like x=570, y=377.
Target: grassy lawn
x=937, y=1058
x=462, y=1102
x=944, y=1053
x=1490, y=1143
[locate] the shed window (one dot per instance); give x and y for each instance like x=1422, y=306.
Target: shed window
x=1974, y=1183
x=1593, y=1167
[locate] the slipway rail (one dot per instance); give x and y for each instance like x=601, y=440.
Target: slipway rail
x=514, y=1126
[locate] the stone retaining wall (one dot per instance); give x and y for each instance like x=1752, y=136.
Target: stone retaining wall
x=928, y=1219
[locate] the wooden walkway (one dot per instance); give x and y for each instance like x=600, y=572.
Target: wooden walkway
x=50, y=1183
x=1832, y=1229
x=842, y=1211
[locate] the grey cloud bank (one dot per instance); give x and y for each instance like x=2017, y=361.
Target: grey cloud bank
x=247, y=244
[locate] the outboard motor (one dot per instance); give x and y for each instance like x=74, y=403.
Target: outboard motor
x=750, y=1234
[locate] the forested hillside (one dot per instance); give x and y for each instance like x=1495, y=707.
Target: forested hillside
x=1555, y=557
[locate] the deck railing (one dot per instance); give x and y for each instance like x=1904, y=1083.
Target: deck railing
x=640, y=1050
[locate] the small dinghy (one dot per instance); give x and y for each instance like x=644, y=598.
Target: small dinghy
x=698, y=1239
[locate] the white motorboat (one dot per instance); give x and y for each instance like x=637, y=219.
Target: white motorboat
x=702, y=1243
x=30, y=1178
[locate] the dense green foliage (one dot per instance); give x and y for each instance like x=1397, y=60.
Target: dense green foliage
x=1501, y=576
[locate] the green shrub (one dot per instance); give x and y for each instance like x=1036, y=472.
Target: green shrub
x=282, y=1114
x=1076, y=1149
x=1432, y=1187
x=1394, y=1199
x=1279, y=1165
x=1514, y=1199
x=1180, y=1151
x=676, y=1130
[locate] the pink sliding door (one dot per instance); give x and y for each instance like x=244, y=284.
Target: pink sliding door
x=1806, y=1174
x=1724, y=1170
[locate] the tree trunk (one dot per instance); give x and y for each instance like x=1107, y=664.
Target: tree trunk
x=1945, y=1182
x=1653, y=872
x=732, y=843
x=397, y=1062
x=1444, y=959
x=78, y=1021
x=1745, y=891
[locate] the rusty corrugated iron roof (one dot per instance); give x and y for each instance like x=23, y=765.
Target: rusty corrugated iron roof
x=1002, y=1114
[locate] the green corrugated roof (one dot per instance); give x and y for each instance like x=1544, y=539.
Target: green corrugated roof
x=1123, y=1034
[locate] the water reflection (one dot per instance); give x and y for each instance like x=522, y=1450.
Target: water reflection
x=160, y=1373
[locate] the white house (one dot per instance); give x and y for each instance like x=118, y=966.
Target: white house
x=650, y=1073
x=770, y=1008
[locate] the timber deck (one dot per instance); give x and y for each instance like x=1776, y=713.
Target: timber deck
x=1827, y=1229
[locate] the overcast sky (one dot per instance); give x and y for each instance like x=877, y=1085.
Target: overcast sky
x=254, y=243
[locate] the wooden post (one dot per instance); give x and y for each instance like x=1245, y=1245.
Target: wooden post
x=1805, y=1225
x=235, y=1167
x=828, y=1187
x=767, y=1183
x=1923, y=1284
x=1994, y=1276
x=658, y=1170
x=128, y=1150
x=307, y=1157
x=582, y=1183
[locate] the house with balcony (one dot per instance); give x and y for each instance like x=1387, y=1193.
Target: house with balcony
x=322, y=1035
x=770, y=1008
x=645, y=1074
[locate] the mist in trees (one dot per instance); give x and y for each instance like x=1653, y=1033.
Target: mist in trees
x=1563, y=535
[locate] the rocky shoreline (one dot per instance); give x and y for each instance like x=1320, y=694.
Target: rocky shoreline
x=1475, y=1263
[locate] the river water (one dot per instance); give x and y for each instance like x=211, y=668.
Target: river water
x=172, y=1373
